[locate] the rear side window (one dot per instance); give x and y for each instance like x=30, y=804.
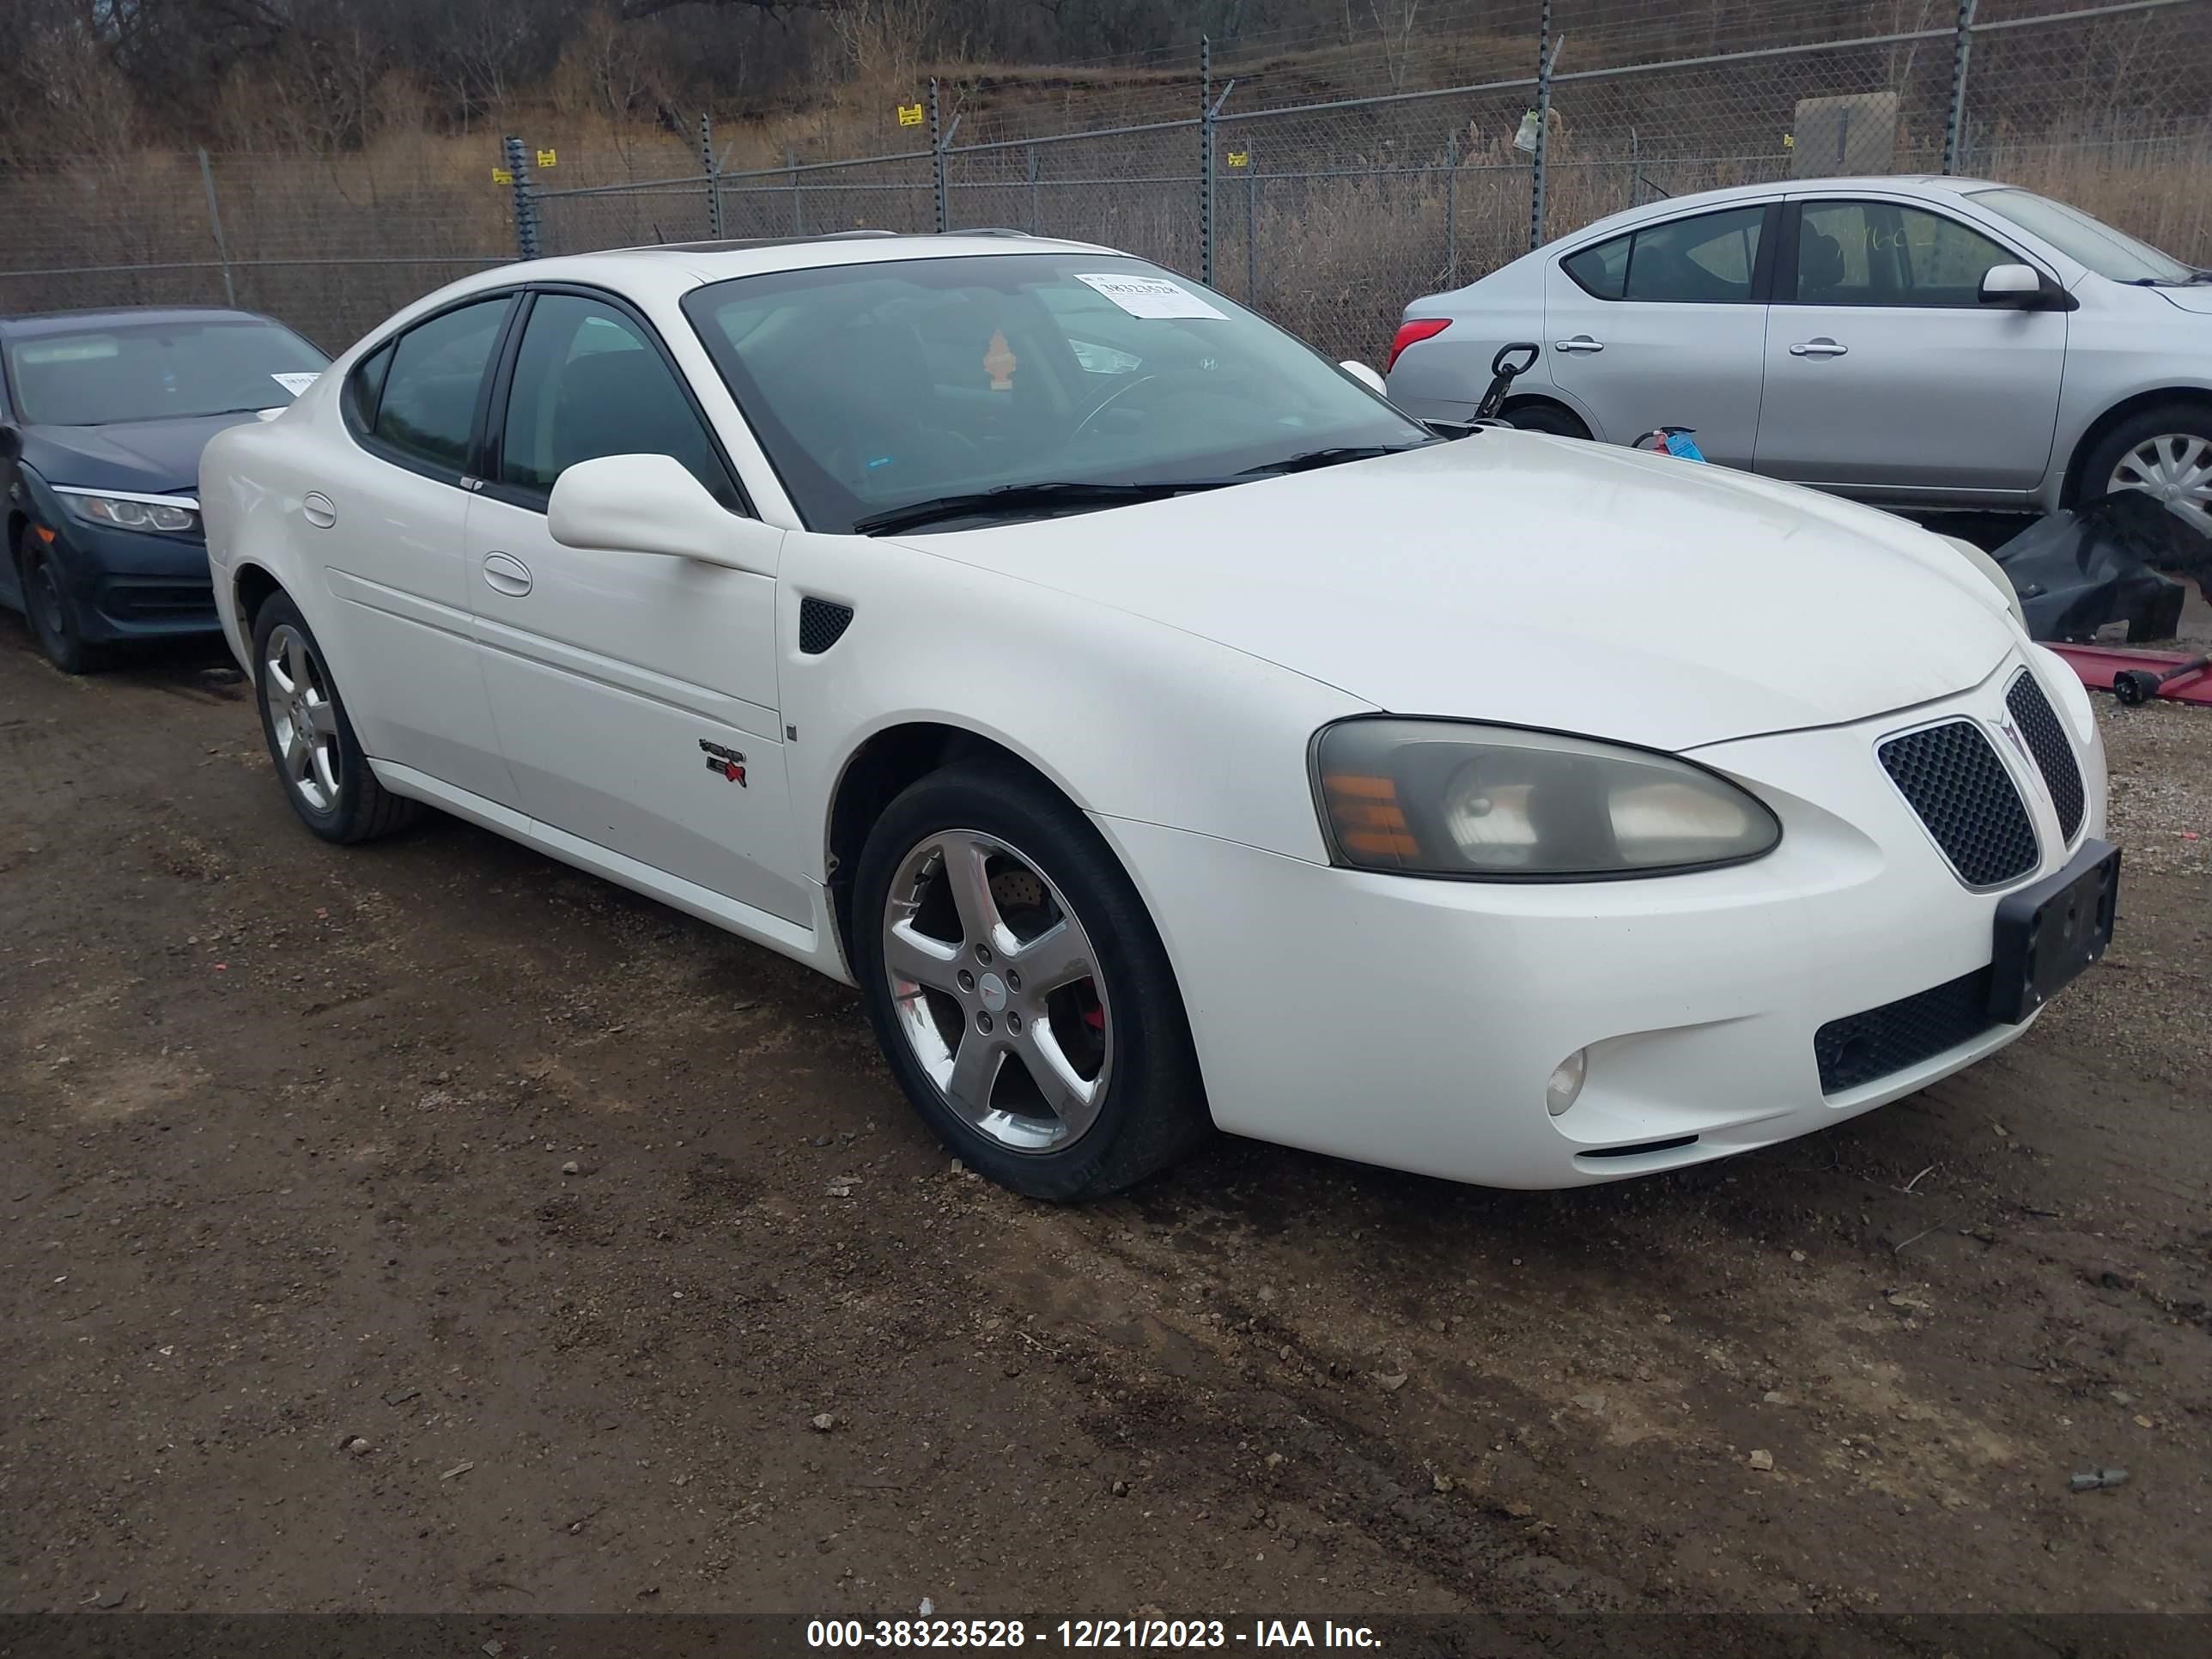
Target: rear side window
x=428, y=406
x=1601, y=269
x=1709, y=258
x=364, y=388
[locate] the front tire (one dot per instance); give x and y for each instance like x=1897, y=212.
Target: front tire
x=1545, y=417
x=52, y=612
x=325, y=776
x=2165, y=451
x=1019, y=990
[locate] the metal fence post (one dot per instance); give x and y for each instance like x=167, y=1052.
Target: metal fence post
x=1252, y=237
x=214, y=219
x=1955, y=122
x=525, y=202
x=798, y=207
x=1033, y=189
x=1205, y=160
x=1543, y=128
x=708, y=165
x=937, y=153
x=1451, y=210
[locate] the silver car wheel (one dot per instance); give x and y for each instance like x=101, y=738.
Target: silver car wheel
x=2177, y=468
x=987, y=964
x=303, y=717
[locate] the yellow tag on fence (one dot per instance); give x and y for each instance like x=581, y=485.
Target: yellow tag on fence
x=1788, y=141
x=547, y=158
x=1240, y=158
x=501, y=176
x=910, y=115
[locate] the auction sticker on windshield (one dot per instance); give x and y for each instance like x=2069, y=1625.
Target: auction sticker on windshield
x=295, y=384
x=1150, y=296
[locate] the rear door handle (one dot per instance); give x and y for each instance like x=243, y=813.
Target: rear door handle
x=505, y=574
x=1821, y=346
x=1581, y=343
x=315, y=508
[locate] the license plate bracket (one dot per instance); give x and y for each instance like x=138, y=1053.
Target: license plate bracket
x=2046, y=934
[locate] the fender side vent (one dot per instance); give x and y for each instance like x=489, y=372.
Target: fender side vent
x=822, y=623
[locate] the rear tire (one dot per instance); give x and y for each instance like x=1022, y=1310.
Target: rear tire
x=1081, y=1082
x=319, y=760
x=1545, y=417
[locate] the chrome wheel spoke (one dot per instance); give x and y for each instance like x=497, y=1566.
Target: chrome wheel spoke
x=976, y=1073
x=296, y=659
x=1058, y=957
x=322, y=719
x=1073, y=1097
x=296, y=753
x=915, y=959
x=966, y=873
x=323, y=758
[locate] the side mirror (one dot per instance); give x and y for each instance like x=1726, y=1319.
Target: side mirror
x=1366, y=377
x=2024, y=289
x=651, y=504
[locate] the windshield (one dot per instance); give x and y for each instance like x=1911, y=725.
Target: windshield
x=2092, y=242
x=158, y=371
x=876, y=386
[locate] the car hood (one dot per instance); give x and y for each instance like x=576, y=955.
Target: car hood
x=2197, y=297
x=152, y=457
x=1545, y=582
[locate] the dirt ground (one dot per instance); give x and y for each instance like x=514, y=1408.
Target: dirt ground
x=302, y=1310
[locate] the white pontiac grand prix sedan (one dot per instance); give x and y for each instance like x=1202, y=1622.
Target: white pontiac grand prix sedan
x=1160, y=729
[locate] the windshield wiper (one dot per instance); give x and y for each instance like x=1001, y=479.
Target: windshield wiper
x=1014, y=500
x=1335, y=455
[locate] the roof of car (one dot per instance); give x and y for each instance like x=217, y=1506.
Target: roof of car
x=1667, y=206
x=714, y=262
x=69, y=322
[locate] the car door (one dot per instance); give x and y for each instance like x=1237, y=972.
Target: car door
x=1666, y=325
x=384, y=517
x=1886, y=376
x=635, y=695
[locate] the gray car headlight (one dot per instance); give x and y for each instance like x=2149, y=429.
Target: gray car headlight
x=1496, y=803
x=165, y=516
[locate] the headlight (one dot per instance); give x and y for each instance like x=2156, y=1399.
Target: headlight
x=1444, y=798
x=170, y=514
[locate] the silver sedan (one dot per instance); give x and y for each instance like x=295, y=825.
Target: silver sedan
x=1912, y=342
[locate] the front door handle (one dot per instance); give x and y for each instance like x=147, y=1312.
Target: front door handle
x=1819, y=346
x=1581, y=343
x=505, y=574
x=315, y=508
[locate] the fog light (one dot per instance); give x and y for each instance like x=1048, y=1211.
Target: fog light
x=1566, y=1082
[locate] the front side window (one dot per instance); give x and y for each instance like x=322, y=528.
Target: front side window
x=159, y=371
x=427, y=410
x=879, y=386
x=588, y=381
x=1883, y=253
x=1708, y=258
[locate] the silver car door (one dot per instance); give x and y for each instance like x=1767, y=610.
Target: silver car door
x=1663, y=325
x=1886, y=376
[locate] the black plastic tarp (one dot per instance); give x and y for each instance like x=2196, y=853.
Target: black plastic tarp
x=2099, y=563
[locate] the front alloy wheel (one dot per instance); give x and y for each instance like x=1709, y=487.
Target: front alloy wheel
x=1021, y=993
x=997, y=991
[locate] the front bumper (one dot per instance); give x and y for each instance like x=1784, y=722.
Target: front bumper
x=131, y=586
x=1415, y=1023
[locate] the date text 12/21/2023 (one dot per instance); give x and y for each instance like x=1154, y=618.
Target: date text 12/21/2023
x=1088, y=1634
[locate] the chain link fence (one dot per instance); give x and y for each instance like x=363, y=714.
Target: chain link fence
x=1325, y=180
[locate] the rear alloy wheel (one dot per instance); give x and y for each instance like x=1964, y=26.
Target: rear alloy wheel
x=1019, y=990
x=53, y=613
x=327, y=777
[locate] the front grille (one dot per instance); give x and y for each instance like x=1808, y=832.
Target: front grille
x=2054, y=755
x=822, y=623
x=1862, y=1048
x=1963, y=793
